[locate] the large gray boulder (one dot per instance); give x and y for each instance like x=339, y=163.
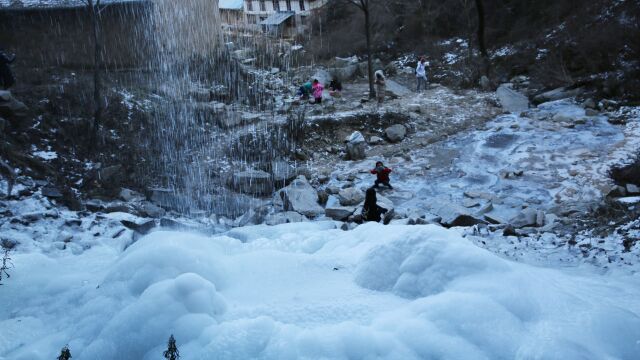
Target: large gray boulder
x=281, y=171
x=396, y=133
x=350, y=196
x=395, y=90
x=252, y=182
x=339, y=213
x=527, y=217
x=111, y=177
x=301, y=197
x=511, y=100
x=452, y=214
x=10, y=107
x=284, y=218
x=345, y=73
x=556, y=94
x=356, y=146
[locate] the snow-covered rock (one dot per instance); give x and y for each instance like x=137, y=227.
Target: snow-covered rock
x=452, y=214
x=301, y=197
x=396, y=133
x=350, y=196
x=511, y=100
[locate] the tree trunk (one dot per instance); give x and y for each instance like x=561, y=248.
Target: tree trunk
x=97, y=65
x=367, y=25
x=481, y=41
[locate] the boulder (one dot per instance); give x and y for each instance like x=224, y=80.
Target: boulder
x=414, y=108
x=141, y=228
x=395, y=90
x=281, y=171
x=591, y=112
x=511, y=100
x=526, y=217
x=10, y=107
x=376, y=140
x=339, y=213
x=396, y=133
x=248, y=218
x=130, y=195
x=284, y=218
x=632, y=189
x=252, y=182
x=556, y=94
x=452, y=214
x=356, y=147
x=51, y=192
x=350, y=196
x=485, y=83
x=345, y=73
x=562, y=117
x=111, y=177
x=301, y=197
x=589, y=104
x=150, y=210
x=342, y=62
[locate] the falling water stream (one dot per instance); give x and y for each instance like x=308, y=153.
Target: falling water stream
x=215, y=118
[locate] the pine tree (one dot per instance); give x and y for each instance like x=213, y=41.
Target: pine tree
x=172, y=352
x=65, y=353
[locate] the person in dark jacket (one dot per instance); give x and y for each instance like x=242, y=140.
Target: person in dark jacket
x=371, y=211
x=7, y=79
x=335, y=88
x=382, y=173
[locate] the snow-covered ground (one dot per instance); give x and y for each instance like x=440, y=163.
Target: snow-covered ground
x=311, y=291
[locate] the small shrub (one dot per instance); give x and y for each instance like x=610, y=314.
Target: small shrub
x=65, y=353
x=6, y=264
x=172, y=352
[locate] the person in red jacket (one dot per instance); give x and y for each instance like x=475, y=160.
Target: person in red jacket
x=382, y=173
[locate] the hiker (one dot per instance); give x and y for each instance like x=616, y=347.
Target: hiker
x=382, y=175
x=7, y=79
x=371, y=211
x=317, y=91
x=335, y=88
x=305, y=90
x=421, y=74
x=381, y=86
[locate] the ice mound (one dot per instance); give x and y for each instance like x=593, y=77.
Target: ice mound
x=296, y=292
x=422, y=263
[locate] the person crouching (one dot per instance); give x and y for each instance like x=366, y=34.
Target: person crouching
x=382, y=175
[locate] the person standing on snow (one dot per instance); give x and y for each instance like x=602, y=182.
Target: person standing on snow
x=7, y=79
x=421, y=74
x=381, y=86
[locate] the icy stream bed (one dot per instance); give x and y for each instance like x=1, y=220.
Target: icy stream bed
x=311, y=291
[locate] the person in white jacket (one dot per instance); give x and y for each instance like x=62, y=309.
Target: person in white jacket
x=421, y=74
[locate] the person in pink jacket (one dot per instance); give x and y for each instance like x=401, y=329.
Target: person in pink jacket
x=317, y=91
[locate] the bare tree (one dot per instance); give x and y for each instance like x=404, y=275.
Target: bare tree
x=481, y=40
x=365, y=6
x=95, y=8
